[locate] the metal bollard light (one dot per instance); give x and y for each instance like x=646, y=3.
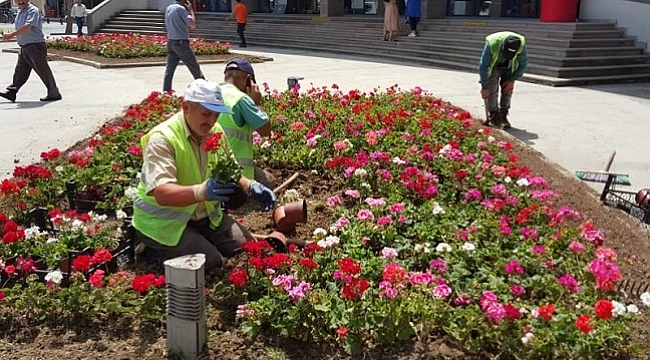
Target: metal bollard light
x=293, y=80
x=185, y=278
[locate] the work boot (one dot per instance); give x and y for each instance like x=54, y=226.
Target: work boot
x=505, y=124
x=9, y=95
x=494, y=119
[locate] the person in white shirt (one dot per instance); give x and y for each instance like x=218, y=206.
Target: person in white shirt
x=79, y=13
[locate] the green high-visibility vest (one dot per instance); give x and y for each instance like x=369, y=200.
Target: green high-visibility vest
x=239, y=137
x=495, y=40
x=165, y=224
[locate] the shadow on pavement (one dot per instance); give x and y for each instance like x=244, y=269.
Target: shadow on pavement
x=523, y=135
x=30, y=104
x=640, y=90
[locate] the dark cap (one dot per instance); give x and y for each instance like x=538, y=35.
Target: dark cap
x=511, y=46
x=241, y=65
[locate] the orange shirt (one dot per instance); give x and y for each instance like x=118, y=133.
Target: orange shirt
x=241, y=13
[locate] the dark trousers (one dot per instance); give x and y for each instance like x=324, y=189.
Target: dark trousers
x=178, y=50
x=33, y=56
x=240, y=31
x=200, y=238
x=80, y=24
x=413, y=21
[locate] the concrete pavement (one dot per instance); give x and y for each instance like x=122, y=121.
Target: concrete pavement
x=575, y=127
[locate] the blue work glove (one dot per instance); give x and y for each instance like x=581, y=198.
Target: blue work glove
x=263, y=195
x=219, y=191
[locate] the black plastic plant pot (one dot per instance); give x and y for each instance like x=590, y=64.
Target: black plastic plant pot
x=236, y=200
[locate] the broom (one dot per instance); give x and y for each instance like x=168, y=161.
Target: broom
x=601, y=176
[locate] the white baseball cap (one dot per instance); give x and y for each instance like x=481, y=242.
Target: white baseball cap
x=208, y=94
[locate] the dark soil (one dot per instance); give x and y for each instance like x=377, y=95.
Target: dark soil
x=125, y=339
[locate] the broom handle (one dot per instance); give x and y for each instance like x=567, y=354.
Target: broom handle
x=610, y=161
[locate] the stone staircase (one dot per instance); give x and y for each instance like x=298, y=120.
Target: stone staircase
x=560, y=54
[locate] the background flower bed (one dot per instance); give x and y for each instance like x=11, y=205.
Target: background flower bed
x=312, y=134
x=133, y=45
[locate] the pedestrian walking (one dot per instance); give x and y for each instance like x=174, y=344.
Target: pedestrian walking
x=240, y=13
x=179, y=18
x=413, y=14
x=391, y=20
x=32, y=54
x=503, y=62
x=79, y=14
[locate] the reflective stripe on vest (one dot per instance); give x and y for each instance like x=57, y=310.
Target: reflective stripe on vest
x=239, y=137
x=165, y=224
x=495, y=40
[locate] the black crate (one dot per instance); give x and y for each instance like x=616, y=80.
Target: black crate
x=624, y=200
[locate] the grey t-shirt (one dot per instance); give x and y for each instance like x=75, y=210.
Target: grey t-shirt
x=176, y=20
x=30, y=15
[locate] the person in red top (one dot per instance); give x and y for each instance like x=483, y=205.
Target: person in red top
x=240, y=13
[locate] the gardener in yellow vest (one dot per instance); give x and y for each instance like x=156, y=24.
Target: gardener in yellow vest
x=177, y=211
x=504, y=60
x=242, y=94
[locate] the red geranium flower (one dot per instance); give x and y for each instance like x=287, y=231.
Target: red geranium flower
x=583, y=324
x=101, y=256
x=546, y=311
x=142, y=283
x=81, y=263
x=238, y=278
x=603, y=309
x=213, y=142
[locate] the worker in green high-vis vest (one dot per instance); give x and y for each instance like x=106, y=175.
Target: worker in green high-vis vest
x=243, y=96
x=178, y=209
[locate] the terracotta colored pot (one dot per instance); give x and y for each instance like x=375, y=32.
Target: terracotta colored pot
x=286, y=217
x=278, y=241
x=643, y=198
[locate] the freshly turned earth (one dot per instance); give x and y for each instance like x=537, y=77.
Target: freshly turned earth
x=121, y=339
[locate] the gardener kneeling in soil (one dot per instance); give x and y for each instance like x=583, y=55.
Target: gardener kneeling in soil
x=188, y=171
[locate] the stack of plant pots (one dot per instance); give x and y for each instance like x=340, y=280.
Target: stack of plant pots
x=285, y=218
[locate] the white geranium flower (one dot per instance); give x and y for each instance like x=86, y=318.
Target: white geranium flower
x=77, y=225
x=54, y=277
x=645, y=297
x=51, y=240
x=444, y=149
x=360, y=173
x=507, y=179
x=265, y=144
x=33, y=233
x=365, y=185
x=443, y=247
x=58, y=168
x=328, y=241
x=619, y=308
x=97, y=218
x=468, y=246
x=131, y=192
x=527, y=338
x=632, y=309
x=319, y=233
x=437, y=209
x=491, y=139
x=398, y=161
x=119, y=214
x=523, y=182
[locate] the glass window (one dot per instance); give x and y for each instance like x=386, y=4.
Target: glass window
x=468, y=7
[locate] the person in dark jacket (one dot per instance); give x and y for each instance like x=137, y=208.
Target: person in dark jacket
x=504, y=61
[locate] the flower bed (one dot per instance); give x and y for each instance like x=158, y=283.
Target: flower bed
x=439, y=232
x=133, y=45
